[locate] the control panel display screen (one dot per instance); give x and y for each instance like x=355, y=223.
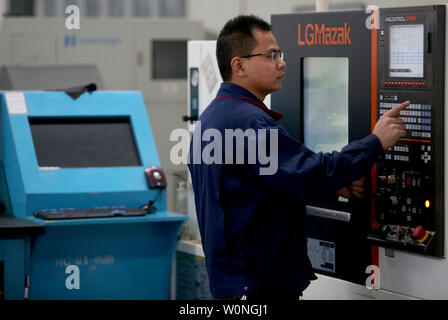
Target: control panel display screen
x=406, y=51
x=84, y=142
x=325, y=103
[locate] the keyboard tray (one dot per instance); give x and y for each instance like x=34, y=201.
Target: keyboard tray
x=103, y=212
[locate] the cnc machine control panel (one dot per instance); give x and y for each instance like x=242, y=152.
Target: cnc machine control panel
x=409, y=190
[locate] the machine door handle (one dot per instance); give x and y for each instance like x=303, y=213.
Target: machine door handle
x=328, y=213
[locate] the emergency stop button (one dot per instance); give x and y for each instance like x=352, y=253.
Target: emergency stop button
x=420, y=234
x=155, y=177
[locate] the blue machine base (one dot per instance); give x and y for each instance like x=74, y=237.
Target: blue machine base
x=118, y=258
x=13, y=253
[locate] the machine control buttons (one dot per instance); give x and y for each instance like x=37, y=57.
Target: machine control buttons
x=426, y=157
x=393, y=200
x=414, y=106
x=417, y=239
x=401, y=158
x=401, y=148
x=391, y=179
x=155, y=177
x=421, y=134
x=380, y=230
x=416, y=118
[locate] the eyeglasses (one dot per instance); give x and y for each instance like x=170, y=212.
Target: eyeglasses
x=275, y=55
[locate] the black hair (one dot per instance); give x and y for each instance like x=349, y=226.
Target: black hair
x=236, y=39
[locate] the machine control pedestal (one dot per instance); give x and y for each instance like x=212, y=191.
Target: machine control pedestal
x=416, y=239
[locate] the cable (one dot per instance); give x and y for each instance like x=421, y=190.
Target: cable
x=149, y=208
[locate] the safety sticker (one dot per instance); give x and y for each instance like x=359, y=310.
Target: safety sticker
x=209, y=72
x=322, y=255
x=15, y=100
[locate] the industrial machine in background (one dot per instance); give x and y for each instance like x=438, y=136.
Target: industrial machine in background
x=55, y=77
x=147, y=55
x=87, y=168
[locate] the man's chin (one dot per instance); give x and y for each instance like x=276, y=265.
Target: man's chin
x=277, y=87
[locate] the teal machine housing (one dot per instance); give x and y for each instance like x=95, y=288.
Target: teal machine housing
x=117, y=257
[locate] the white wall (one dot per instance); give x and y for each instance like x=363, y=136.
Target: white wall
x=215, y=13
x=3, y=7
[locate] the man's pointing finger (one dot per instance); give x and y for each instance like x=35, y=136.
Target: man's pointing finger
x=395, y=112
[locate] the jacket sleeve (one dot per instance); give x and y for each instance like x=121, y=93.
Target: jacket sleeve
x=288, y=166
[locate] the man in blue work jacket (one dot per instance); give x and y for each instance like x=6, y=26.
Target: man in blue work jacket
x=252, y=216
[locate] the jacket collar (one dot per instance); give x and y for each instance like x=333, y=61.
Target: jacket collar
x=234, y=91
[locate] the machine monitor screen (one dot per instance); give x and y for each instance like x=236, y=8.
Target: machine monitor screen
x=84, y=142
x=169, y=59
x=406, y=51
x=325, y=96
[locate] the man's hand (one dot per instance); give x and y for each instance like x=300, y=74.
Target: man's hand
x=389, y=128
x=355, y=189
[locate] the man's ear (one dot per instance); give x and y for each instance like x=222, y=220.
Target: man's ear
x=238, y=68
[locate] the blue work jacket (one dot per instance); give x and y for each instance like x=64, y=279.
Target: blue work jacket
x=252, y=225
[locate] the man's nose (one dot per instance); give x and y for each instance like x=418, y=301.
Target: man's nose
x=281, y=65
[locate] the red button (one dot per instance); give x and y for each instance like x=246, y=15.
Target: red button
x=419, y=232
x=408, y=181
x=376, y=226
